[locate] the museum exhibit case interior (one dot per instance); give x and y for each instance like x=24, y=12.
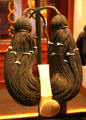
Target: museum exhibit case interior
x=70, y=108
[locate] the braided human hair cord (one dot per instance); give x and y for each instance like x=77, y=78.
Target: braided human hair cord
x=63, y=57
x=65, y=61
x=19, y=61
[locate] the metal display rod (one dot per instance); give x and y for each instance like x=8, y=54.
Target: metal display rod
x=38, y=32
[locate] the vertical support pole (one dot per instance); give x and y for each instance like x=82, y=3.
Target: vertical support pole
x=38, y=32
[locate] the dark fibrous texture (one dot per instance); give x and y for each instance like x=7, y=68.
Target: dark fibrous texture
x=65, y=61
x=58, y=21
x=23, y=23
x=21, y=83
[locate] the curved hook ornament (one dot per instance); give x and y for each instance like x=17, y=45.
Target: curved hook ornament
x=33, y=9
x=46, y=7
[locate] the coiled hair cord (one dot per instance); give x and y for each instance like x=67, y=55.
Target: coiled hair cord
x=63, y=57
x=65, y=61
x=19, y=61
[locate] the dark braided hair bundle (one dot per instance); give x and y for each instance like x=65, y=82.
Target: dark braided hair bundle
x=65, y=61
x=63, y=57
x=19, y=61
